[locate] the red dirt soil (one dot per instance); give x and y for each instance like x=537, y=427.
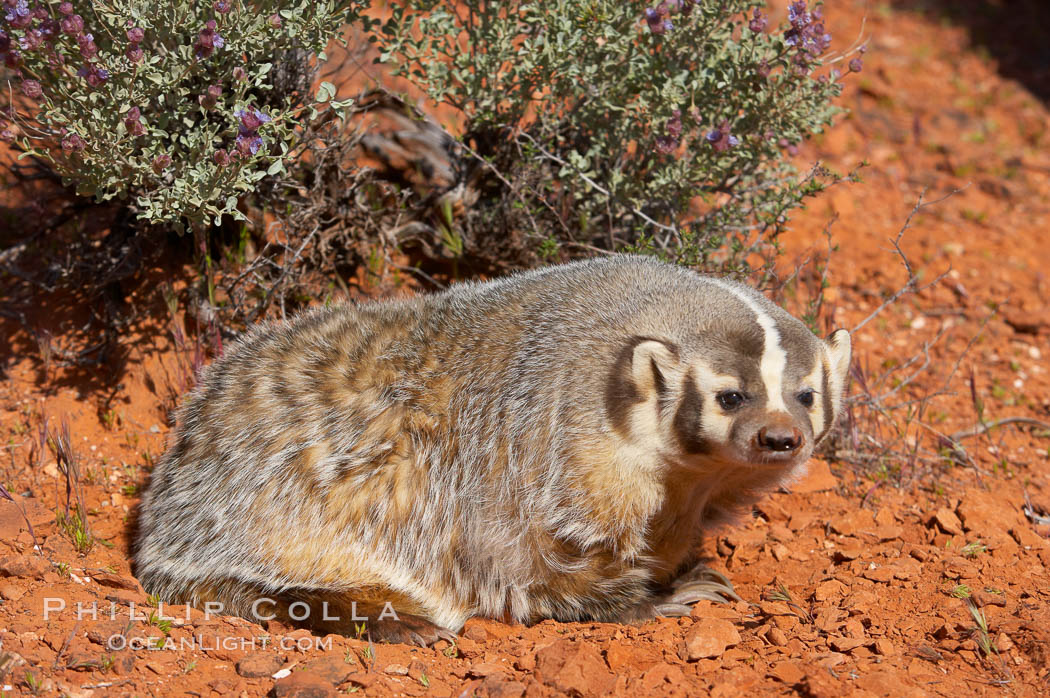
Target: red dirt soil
x=854, y=582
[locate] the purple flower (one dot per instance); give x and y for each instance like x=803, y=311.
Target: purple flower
x=132, y=123
x=66, y=8
x=856, y=65
x=32, y=89
x=7, y=136
x=31, y=40
x=758, y=23
x=763, y=69
x=210, y=96
x=72, y=143
x=248, y=144
x=655, y=17
x=687, y=7
x=721, y=139
x=19, y=15
x=239, y=74
x=275, y=20
x=161, y=163
x=49, y=29
x=134, y=53
x=208, y=40
x=248, y=141
x=674, y=124
x=88, y=49
x=12, y=58
x=72, y=24
x=221, y=157
x=806, y=33
x=666, y=144
x=94, y=75
x=251, y=119
x=797, y=14
x=136, y=35
x=222, y=6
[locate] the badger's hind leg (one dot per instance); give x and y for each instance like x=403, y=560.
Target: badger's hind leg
x=379, y=613
x=382, y=616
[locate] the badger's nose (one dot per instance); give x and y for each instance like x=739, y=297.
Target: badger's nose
x=779, y=438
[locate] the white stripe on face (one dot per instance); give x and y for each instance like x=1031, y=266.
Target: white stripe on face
x=774, y=358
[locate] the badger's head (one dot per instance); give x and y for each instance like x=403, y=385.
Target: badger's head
x=747, y=385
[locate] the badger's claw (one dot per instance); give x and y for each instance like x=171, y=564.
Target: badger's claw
x=703, y=584
x=671, y=610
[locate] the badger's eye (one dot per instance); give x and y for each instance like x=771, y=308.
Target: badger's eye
x=806, y=398
x=730, y=399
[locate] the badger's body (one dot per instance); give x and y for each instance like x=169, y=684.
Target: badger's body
x=549, y=445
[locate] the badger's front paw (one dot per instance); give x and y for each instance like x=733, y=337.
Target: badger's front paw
x=698, y=584
x=408, y=629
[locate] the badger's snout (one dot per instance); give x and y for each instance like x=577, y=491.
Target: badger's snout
x=779, y=438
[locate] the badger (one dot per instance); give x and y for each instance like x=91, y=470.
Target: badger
x=549, y=445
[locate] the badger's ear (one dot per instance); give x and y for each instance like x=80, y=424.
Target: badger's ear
x=839, y=350
x=651, y=363
x=640, y=371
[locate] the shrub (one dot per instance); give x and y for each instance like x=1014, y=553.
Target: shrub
x=180, y=107
x=607, y=124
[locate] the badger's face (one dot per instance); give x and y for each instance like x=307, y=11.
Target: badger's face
x=756, y=392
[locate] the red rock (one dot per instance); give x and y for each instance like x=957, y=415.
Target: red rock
x=818, y=478
x=948, y=522
x=887, y=683
x=708, y=638
x=984, y=598
x=574, y=668
x=302, y=684
x=1028, y=538
x=883, y=573
x=481, y=670
x=845, y=644
x=958, y=568
x=831, y=589
x=258, y=665
x=24, y=566
x=787, y=672
x=885, y=647
x=116, y=581
x=11, y=521
x=662, y=678
x=396, y=670
x=9, y=592
x=475, y=631
x=984, y=513
x=498, y=686
x=818, y=683
x=223, y=686
x=363, y=680
x=468, y=649
x=332, y=669
x=105, y=632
